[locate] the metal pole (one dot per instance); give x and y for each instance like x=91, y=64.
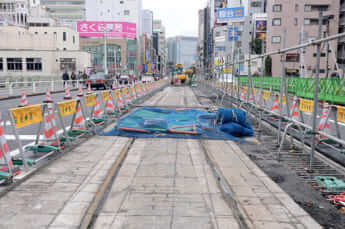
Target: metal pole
x=105, y=53
x=316, y=94
x=327, y=52
x=282, y=85
x=343, y=60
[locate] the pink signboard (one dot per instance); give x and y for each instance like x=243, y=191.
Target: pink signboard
x=113, y=29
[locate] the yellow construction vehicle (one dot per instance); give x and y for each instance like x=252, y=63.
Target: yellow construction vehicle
x=180, y=75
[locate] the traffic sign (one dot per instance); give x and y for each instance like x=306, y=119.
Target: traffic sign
x=233, y=33
x=230, y=14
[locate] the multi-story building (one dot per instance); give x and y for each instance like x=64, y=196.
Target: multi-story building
x=110, y=10
x=341, y=43
x=201, y=40
x=14, y=12
x=218, y=32
x=161, y=51
x=147, y=22
x=66, y=12
x=40, y=52
x=297, y=20
x=183, y=50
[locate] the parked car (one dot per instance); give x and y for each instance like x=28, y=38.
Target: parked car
x=124, y=80
x=157, y=77
x=147, y=78
x=99, y=80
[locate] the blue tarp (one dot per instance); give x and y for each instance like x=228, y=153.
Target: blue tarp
x=148, y=122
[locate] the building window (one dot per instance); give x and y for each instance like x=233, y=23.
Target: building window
x=68, y=64
x=296, y=7
x=276, y=39
x=292, y=57
x=312, y=8
x=14, y=64
x=295, y=21
x=33, y=64
x=312, y=21
x=64, y=36
x=277, y=8
x=276, y=22
x=254, y=4
x=307, y=8
x=1, y=65
x=126, y=12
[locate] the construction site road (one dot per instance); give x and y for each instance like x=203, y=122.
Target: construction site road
x=115, y=182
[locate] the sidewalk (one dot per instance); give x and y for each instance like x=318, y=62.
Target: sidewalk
x=66, y=187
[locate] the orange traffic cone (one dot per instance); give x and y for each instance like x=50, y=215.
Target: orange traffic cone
x=23, y=101
x=48, y=98
x=97, y=113
x=89, y=91
x=275, y=108
x=251, y=97
x=120, y=103
x=258, y=97
x=51, y=112
x=81, y=91
x=294, y=109
x=109, y=107
x=67, y=94
x=49, y=138
x=134, y=94
x=324, y=122
x=128, y=96
x=243, y=94
x=5, y=157
x=79, y=121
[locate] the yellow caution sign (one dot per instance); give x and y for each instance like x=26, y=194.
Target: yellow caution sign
x=306, y=105
x=90, y=100
x=118, y=93
x=138, y=88
x=26, y=116
x=67, y=108
x=341, y=114
x=284, y=99
x=105, y=95
x=267, y=95
x=125, y=91
x=133, y=90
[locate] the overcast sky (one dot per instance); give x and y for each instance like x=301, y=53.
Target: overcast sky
x=180, y=17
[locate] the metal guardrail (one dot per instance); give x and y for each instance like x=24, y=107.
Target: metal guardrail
x=283, y=88
x=47, y=115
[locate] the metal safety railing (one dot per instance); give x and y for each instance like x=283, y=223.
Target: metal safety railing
x=244, y=95
x=58, y=125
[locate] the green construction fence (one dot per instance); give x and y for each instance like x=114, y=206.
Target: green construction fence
x=331, y=90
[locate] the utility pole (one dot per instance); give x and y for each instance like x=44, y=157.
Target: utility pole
x=327, y=52
x=105, y=52
x=316, y=94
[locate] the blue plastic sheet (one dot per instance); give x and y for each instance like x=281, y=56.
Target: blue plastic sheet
x=148, y=122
